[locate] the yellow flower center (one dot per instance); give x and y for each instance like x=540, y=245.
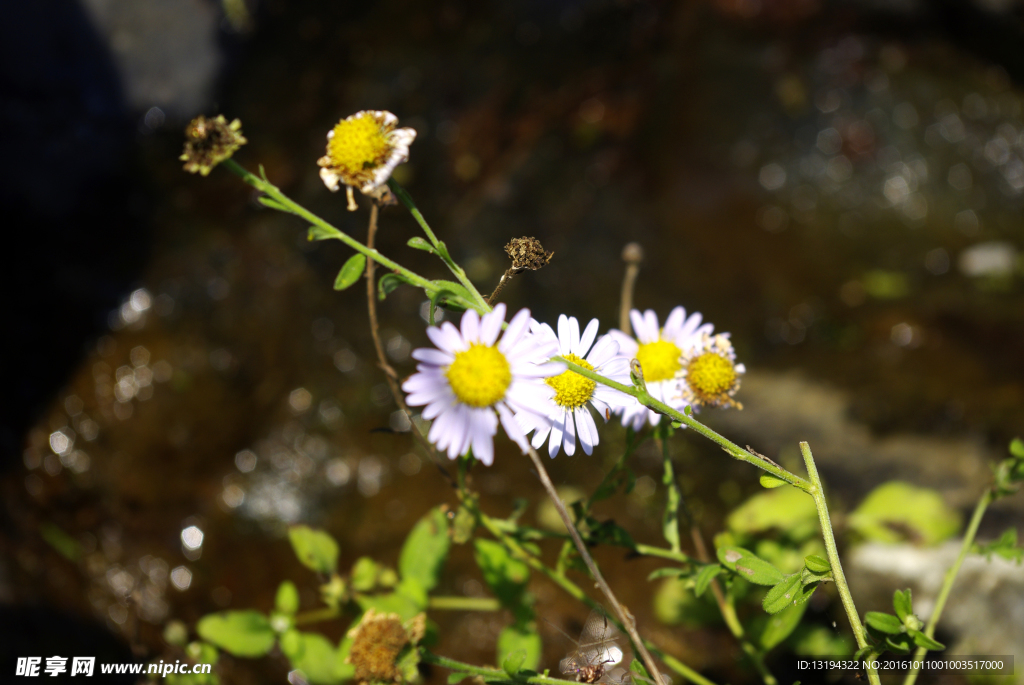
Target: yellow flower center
x=358, y=143
x=479, y=376
x=710, y=376
x=571, y=389
x=660, y=360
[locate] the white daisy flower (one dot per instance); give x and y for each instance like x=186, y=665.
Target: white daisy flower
x=362, y=151
x=472, y=380
x=710, y=375
x=568, y=415
x=660, y=352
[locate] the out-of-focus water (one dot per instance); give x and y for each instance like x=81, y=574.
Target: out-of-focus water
x=847, y=204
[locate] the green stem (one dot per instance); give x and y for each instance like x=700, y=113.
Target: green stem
x=489, y=675
x=670, y=518
x=575, y=591
x=818, y=493
x=662, y=553
x=481, y=304
x=730, y=448
x=272, y=191
x=316, y=615
x=464, y=603
x=950, y=579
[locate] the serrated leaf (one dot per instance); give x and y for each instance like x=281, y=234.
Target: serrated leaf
x=418, y=243
x=516, y=639
x=351, y=271
x=922, y=640
x=704, y=577
x=782, y=595
x=321, y=233
x=771, y=482
x=387, y=284
x=749, y=566
x=780, y=625
x=425, y=550
x=883, y=622
x=817, y=564
x=242, y=633
x=902, y=604
x=315, y=548
x=287, y=600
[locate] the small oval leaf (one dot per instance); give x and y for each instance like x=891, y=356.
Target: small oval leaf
x=770, y=482
x=242, y=633
x=782, y=595
x=418, y=243
x=883, y=622
x=817, y=563
x=749, y=566
x=351, y=271
x=316, y=549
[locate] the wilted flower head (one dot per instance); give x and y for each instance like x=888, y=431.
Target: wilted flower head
x=709, y=375
x=527, y=254
x=362, y=151
x=208, y=142
x=379, y=644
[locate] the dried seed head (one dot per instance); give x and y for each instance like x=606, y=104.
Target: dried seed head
x=208, y=142
x=377, y=643
x=527, y=253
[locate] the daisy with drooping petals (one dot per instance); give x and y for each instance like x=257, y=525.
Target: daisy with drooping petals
x=471, y=381
x=709, y=375
x=569, y=416
x=362, y=151
x=660, y=352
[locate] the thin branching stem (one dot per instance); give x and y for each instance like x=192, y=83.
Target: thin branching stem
x=620, y=611
x=949, y=580
x=487, y=674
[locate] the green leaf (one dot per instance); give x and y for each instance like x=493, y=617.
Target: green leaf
x=896, y=510
x=883, y=622
x=704, y=577
x=420, y=244
x=898, y=643
x=665, y=572
x=425, y=550
x=609, y=533
x=364, y=574
x=507, y=577
x=287, y=600
x=902, y=604
x=1005, y=546
x=922, y=640
x=317, y=660
x=64, y=544
x=351, y=271
x=456, y=677
x=292, y=644
x=446, y=293
x=781, y=624
x=783, y=594
x=272, y=204
x=321, y=233
x=749, y=566
x=514, y=661
x=515, y=639
x=403, y=602
x=242, y=633
x=388, y=282
x=817, y=564
x=784, y=509
x=636, y=666
x=315, y=548
x=771, y=482
x=1017, y=448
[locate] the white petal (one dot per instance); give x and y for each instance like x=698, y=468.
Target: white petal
x=557, y=431
x=446, y=337
x=640, y=329
x=628, y=345
x=587, y=429
x=651, y=325
x=605, y=349
x=432, y=356
x=587, y=339
x=483, y=426
x=564, y=337
x=471, y=326
x=574, y=335
x=545, y=370
x=569, y=442
x=490, y=327
x=512, y=428
x=516, y=328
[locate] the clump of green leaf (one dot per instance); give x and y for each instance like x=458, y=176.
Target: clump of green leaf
x=898, y=633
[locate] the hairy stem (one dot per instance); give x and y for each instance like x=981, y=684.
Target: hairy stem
x=818, y=493
x=488, y=675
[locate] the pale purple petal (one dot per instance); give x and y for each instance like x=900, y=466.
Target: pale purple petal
x=446, y=337
x=515, y=330
x=432, y=356
x=490, y=327
x=471, y=326
x=512, y=428
x=483, y=426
